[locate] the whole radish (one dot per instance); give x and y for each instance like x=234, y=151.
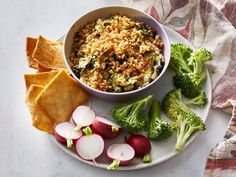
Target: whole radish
x=64, y=133
x=83, y=116
x=90, y=146
x=141, y=145
x=119, y=154
x=105, y=127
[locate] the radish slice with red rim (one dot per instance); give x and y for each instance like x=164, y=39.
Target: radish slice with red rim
x=106, y=128
x=90, y=146
x=120, y=154
x=64, y=133
x=83, y=116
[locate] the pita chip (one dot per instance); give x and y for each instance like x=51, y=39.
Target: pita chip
x=41, y=69
x=39, y=79
x=30, y=46
x=61, y=96
x=40, y=119
x=49, y=54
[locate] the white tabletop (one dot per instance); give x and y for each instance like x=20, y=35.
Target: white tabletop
x=27, y=152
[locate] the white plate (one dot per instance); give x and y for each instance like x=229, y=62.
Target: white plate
x=161, y=150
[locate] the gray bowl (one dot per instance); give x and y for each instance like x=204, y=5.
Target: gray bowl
x=103, y=13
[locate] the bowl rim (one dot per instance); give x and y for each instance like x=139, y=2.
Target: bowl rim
x=90, y=89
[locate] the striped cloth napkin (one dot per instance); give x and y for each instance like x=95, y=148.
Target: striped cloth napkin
x=210, y=24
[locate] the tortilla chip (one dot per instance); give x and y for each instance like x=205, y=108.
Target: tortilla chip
x=30, y=46
x=49, y=54
x=39, y=78
x=40, y=119
x=41, y=69
x=61, y=96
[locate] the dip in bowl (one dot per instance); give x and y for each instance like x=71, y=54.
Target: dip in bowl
x=116, y=53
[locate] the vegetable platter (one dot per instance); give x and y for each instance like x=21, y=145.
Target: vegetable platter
x=119, y=149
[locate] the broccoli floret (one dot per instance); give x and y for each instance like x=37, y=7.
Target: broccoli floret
x=179, y=55
x=188, y=88
x=198, y=59
x=200, y=100
x=157, y=128
x=196, y=62
x=172, y=104
x=190, y=69
x=130, y=116
x=187, y=123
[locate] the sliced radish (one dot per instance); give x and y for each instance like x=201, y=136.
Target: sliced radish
x=83, y=116
x=64, y=133
x=105, y=127
x=90, y=146
x=120, y=154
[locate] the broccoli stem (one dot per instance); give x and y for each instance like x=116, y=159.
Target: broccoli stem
x=187, y=124
x=184, y=134
x=157, y=128
x=184, y=67
x=180, y=103
x=185, y=108
x=155, y=111
x=198, y=78
x=145, y=101
x=200, y=100
x=180, y=136
x=138, y=107
x=135, y=113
